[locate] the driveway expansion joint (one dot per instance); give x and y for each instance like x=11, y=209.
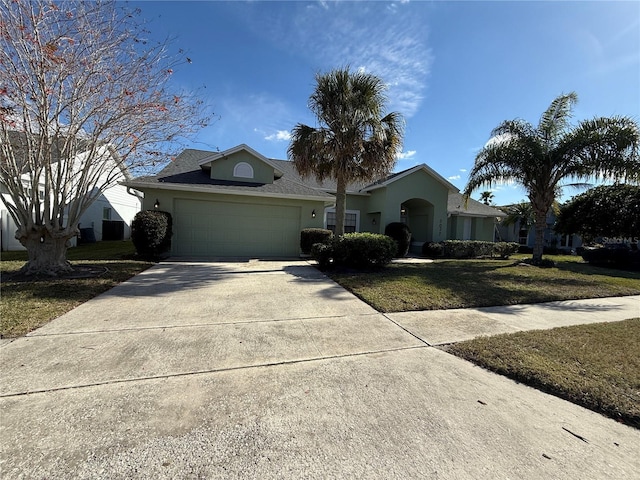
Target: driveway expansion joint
x=37, y=333
x=408, y=331
x=209, y=371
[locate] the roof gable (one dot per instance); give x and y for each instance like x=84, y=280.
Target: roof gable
x=208, y=161
x=394, y=177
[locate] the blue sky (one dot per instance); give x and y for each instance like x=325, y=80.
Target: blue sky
x=455, y=69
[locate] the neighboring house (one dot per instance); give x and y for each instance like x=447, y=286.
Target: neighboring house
x=526, y=237
x=240, y=203
x=108, y=218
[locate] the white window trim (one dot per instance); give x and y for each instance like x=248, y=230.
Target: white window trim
x=333, y=210
x=242, y=169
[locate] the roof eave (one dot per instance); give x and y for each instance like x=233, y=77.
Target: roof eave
x=212, y=189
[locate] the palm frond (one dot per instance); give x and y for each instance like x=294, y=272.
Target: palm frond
x=607, y=147
x=555, y=119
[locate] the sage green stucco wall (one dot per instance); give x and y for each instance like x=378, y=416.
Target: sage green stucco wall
x=454, y=228
x=481, y=228
x=168, y=198
x=222, y=168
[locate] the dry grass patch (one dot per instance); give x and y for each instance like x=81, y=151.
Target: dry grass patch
x=482, y=283
x=596, y=366
x=27, y=305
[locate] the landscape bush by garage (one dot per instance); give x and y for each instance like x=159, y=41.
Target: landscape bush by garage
x=310, y=236
x=401, y=233
x=151, y=232
x=355, y=250
x=323, y=254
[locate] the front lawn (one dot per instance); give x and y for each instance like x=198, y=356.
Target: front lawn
x=27, y=305
x=481, y=283
x=596, y=366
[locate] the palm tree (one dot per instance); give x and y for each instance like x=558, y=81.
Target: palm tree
x=486, y=197
x=355, y=139
x=541, y=158
x=519, y=213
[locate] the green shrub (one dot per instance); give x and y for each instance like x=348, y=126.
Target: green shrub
x=467, y=249
x=505, y=249
x=309, y=236
x=432, y=249
x=476, y=248
x=618, y=256
x=401, y=233
x=364, y=250
x=323, y=254
x=355, y=250
x=543, y=263
x=151, y=232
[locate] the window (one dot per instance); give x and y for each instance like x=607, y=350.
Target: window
x=523, y=235
x=350, y=221
x=243, y=170
x=106, y=213
x=403, y=214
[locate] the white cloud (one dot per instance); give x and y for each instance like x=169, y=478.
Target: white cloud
x=454, y=177
x=463, y=170
x=279, y=136
x=406, y=155
x=365, y=35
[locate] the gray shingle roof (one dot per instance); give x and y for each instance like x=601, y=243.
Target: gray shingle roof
x=456, y=206
x=328, y=185
x=185, y=171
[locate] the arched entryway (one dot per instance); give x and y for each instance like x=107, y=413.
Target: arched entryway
x=417, y=213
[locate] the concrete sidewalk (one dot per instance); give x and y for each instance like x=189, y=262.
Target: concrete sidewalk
x=439, y=327
x=271, y=370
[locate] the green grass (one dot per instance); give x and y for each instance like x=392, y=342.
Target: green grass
x=27, y=305
x=480, y=283
x=596, y=366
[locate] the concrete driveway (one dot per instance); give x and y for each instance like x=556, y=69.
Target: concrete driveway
x=270, y=370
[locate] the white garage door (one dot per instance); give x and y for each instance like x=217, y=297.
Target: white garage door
x=204, y=228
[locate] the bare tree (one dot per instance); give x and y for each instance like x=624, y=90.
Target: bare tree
x=85, y=98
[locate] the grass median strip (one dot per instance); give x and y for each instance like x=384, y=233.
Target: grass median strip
x=596, y=366
x=27, y=305
x=481, y=283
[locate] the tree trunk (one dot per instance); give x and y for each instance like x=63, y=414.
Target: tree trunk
x=538, y=243
x=341, y=204
x=46, y=252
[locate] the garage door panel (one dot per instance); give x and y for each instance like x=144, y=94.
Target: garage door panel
x=204, y=228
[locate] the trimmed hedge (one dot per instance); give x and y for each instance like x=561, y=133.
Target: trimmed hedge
x=310, y=236
x=432, y=249
x=616, y=257
x=151, y=232
x=401, y=233
x=505, y=249
x=355, y=250
x=469, y=249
